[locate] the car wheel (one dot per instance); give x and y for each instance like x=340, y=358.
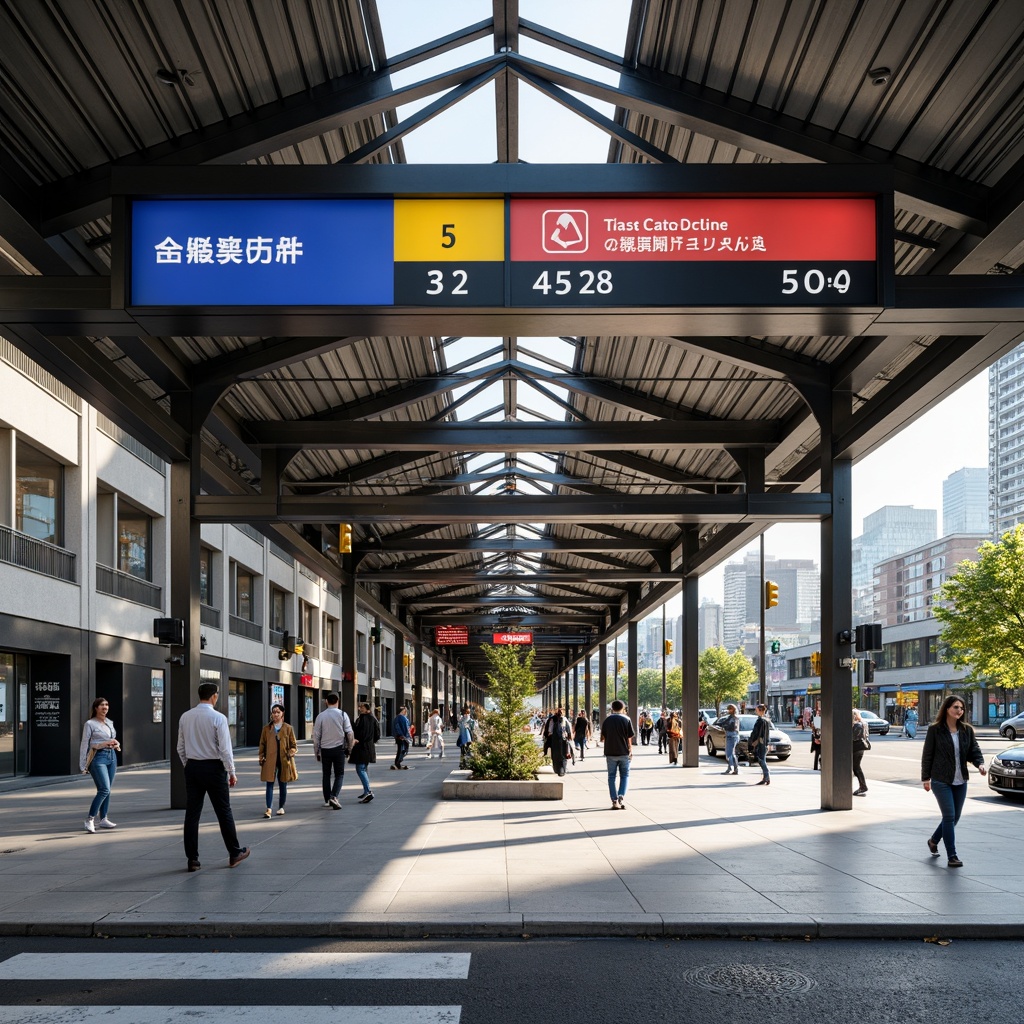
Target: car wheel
x=1011, y=734
x=711, y=746
x=885, y=731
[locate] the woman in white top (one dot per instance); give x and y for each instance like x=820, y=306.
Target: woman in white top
x=100, y=738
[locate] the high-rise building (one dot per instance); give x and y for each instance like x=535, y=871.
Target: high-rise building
x=888, y=531
x=709, y=625
x=965, y=501
x=1006, y=442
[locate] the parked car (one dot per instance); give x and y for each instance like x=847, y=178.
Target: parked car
x=874, y=723
x=1006, y=772
x=1012, y=727
x=779, y=744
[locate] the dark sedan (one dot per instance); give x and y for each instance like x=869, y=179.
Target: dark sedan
x=1006, y=772
x=779, y=744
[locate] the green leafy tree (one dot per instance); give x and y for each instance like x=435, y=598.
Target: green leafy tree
x=506, y=748
x=723, y=676
x=648, y=687
x=982, y=613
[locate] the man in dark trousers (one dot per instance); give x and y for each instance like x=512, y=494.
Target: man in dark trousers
x=204, y=746
x=400, y=730
x=332, y=739
x=660, y=728
x=617, y=735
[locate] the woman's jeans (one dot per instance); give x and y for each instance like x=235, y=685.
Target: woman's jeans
x=270, y=792
x=731, y=739
x=103, y=769
x=364, y=777
x=951, y=802
x=620, y=766
x=858, y=756
x=762, y=759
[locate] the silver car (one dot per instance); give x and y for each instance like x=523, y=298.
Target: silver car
x=1012, y=727
x=1006, y=772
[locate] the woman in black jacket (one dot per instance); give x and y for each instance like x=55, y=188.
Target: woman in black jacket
x=367, y=732
x=948, y=747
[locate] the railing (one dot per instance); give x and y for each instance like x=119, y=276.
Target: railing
x=20, y=549
x=250, y=531
x=209, y=616
x=31, y=369
x=243, y=627
x=281, y=553
x=328, y=655
x=128, y=587
x=129, y=444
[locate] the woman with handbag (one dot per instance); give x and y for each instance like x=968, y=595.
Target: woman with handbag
x=277, y=758
x=98, y=757
x=860, y=744
x=674, y=733
x=366, y=729
x=949, y=745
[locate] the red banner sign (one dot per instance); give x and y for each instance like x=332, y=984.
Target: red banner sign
x=513, y=638
x=451, y=636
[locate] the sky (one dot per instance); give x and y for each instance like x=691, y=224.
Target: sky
x=908, y=470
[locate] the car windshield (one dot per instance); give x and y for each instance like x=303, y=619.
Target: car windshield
x=747, y=722
x=868, y=714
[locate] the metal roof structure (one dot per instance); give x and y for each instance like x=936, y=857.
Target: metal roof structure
x=568, y=473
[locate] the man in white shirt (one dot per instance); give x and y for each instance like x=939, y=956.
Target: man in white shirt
x=204, y=746
x=434, y=728
x=332, y=737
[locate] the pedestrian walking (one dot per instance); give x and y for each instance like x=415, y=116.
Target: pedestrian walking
x=949, y=745
x=816, y=748
x=758, y=742
x=277, y=758
x=364, y=749
x=204, y=747
x=731, y=726
x=581, y=733
x=467, y=733
x=97, y=756
x=617, y=735
x=646, y=728
x=673, y=734
x=556, y=741
x=332, y=739
x=402, y=733
x=435, y=740
x=860, y=744
x=659, y=728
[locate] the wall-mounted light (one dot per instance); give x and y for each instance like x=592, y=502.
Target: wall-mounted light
x=880, y=75
x=176, y=76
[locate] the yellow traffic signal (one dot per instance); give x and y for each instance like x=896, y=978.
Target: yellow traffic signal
x=771, y=594
x=622, y=665
x=345, y=539
x=816, y=662
x=669, y=645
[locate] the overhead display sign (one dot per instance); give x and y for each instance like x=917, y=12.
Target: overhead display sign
x=513, y=638
x=451, y=636
x=557, y=252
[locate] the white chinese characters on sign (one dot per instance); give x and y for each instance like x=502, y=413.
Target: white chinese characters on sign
x=258, y=249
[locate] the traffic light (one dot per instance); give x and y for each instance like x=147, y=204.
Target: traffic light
x=669, y=645
x=869, y=671
x=375, y=634
x=406, y=660
x=816, y=662
x=621, y=665
x=771, y=594
x=776, y=646
x=345, y=539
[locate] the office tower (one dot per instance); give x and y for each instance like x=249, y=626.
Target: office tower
x=965, y=501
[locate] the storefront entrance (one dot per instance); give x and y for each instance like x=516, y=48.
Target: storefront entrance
x=14, y=731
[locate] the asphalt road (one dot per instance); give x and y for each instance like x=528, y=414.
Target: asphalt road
x=535, y=980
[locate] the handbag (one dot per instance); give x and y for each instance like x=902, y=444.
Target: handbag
x=89, y=757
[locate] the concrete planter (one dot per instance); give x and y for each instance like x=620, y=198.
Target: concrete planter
x=459, y=786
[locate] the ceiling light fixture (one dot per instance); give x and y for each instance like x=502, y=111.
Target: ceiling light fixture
x=177, y=76
x=880, y=75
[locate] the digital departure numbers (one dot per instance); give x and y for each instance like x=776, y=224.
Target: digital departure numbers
x=506, y=252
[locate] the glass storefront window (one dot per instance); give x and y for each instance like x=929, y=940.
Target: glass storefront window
x=134, y=541
x=245, y=605
x=39, y=495
x=205, y=576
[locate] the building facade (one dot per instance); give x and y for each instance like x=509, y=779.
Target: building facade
x=1006, y=442
x=965, y=501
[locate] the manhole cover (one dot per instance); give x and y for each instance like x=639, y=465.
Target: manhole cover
x=749, y=979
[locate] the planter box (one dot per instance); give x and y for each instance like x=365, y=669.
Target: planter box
x=459, y=786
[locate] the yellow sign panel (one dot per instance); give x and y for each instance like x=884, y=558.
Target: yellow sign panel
x=449, y=230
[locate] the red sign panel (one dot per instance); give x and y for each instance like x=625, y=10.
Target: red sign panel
x=513, y=638
x=451, y=636
x=673, y=229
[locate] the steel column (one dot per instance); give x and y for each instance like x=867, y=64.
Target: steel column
x=633, y=666
x=691, y=672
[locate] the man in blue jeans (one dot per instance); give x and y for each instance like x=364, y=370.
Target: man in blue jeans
x=617, y=736
x=403, y=737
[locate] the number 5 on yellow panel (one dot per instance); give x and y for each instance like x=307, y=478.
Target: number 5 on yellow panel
x=463, y=230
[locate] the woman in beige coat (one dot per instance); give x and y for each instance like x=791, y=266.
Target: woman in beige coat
x=277, y=757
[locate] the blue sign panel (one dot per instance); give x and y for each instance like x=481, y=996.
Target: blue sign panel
x=262, y=252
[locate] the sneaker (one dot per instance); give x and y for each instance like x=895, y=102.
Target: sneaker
x=366, y=798
x=615, y=805
x=428, y=757
x=239, y=857
x=335, y=803
x=90, y=824
x=394, y=767
x=266, y=813
x=955, y=862
x=933, y=847
x=404, y=767
x=860, y=792
x=107, y=823
x=194, y=865
x=280, y=811
x=622, y=805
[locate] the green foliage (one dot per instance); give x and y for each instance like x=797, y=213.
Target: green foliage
x=648, y=687
x=723, y=677
x=506, y=748
x=983, y=613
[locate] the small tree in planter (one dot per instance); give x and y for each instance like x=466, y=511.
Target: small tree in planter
x=507, y=749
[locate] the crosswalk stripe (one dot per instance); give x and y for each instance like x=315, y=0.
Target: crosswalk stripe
x=218, y=966
x=228, y=1014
